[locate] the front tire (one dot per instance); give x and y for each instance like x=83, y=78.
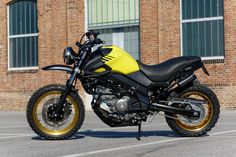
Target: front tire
x=186, y=126
x=41, y=107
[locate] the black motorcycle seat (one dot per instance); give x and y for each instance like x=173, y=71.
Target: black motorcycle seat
x=164, y=71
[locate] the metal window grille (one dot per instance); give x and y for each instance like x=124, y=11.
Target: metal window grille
x=108, y=13
x=202, y=28
x=22, y=35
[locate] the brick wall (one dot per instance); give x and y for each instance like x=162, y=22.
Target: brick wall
x=149, y=31
x=166, y=42
x=223, y=74
x=61, y=23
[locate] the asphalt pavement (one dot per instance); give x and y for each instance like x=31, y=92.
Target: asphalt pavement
x=97, y=139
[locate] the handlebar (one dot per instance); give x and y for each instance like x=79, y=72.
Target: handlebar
x=92, y=40
x=92, y=33
x=86, y=47
x=96, y=41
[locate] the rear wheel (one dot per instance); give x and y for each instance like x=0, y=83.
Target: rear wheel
x=209, y=113
x=42, y=117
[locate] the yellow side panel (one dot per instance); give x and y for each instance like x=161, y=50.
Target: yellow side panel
x=100, y=70
x=120, y=61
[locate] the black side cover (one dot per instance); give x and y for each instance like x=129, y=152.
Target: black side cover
x=141, y=90
x=142, y=79
x=95, y=61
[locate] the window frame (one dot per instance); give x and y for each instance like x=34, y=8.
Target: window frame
x=16, y=36
x=87, y=28
x=182, y=21
x=118, y=25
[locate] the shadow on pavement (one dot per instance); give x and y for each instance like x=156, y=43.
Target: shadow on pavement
x=126, y=134
x=117, y=134
x=75, y=137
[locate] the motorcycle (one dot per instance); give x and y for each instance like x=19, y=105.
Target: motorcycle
x=125, y=92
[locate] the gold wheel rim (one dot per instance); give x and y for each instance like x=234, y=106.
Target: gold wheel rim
x=207, y=117
x=55, y=132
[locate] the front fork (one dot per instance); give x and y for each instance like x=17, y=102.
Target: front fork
x=69, y=86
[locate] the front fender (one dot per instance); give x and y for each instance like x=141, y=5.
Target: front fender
x=65, y=68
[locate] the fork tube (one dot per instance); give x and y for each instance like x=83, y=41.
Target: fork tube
x=69, y=85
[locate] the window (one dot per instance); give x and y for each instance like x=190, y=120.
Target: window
x=117, y=21
x=202, y=28
x=22, y=35
x=126, y=38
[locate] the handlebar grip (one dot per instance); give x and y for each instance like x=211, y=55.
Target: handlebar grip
x=96, y=41
x=96, y=34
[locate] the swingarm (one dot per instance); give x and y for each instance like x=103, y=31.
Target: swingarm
x=180, y=106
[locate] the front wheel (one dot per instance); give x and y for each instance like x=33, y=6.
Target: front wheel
x=49, y=123
x=209, y=113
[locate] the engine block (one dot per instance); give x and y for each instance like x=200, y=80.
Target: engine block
x=115, y=104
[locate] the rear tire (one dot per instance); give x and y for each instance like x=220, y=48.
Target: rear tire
x=44, y=130
x=207, y=123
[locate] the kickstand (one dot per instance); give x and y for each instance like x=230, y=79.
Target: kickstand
x=139, y=131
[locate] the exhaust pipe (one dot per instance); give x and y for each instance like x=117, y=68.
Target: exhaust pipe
x=187, y=81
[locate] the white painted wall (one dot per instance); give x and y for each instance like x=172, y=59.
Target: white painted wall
x=118, y=39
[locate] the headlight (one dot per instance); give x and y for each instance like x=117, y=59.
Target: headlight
x=69, y=56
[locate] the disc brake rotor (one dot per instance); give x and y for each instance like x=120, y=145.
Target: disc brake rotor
x=50, y=116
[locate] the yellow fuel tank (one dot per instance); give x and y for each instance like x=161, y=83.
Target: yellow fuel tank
x=119, y=61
